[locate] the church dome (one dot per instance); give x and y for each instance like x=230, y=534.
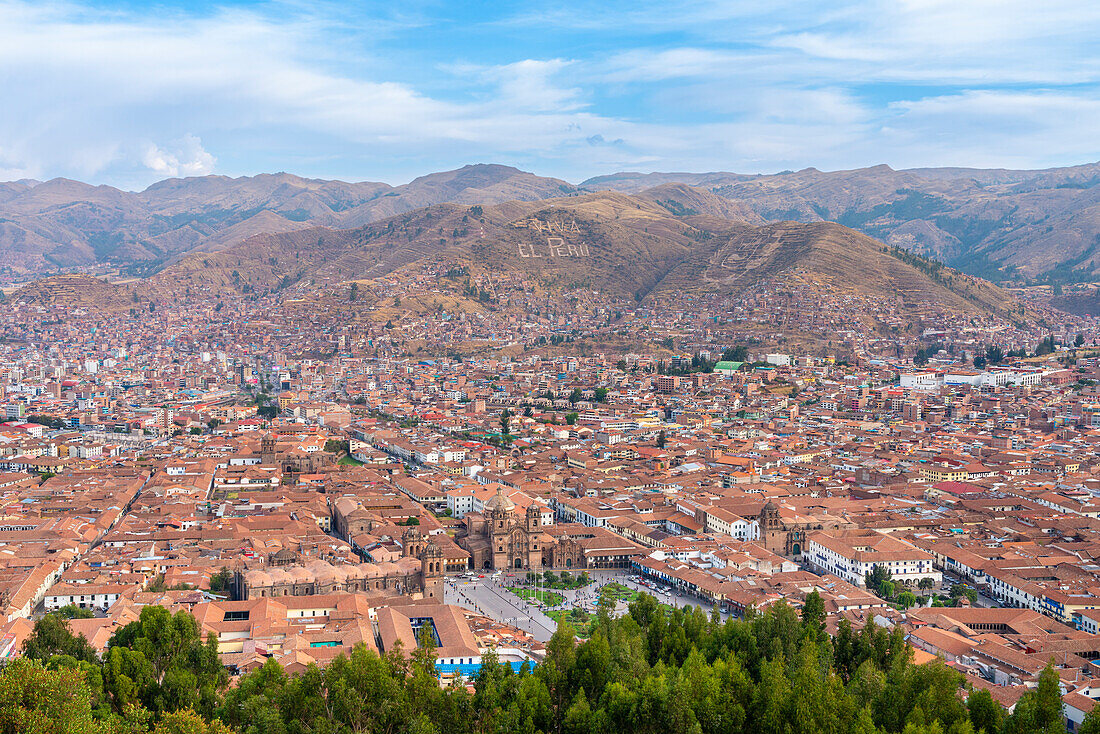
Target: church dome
x=500, y=502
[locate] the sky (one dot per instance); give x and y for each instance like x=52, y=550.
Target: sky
x=126, y=92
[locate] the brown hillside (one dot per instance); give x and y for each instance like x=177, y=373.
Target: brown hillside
x=72, y=292
x=993, y=223
x=63, y=223
x=629, y=246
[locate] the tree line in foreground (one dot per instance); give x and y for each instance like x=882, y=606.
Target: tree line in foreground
x=651, y=670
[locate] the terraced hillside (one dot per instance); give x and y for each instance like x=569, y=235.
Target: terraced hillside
x=74, y=291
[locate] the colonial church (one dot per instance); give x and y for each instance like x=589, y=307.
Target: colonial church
x=786, y=536
x=498, y=538
x=419, y=572
x=292, y=459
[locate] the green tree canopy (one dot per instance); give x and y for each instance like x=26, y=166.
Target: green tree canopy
x=51, y=636
x=654, y=670
x=161, y=662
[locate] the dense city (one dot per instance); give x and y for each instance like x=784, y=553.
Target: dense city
x=472, y=486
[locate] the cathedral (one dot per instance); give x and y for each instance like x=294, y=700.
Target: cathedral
x=419, y=571
x=499, y=539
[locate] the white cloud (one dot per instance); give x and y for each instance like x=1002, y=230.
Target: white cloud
x=186, y=158
x=981, y=41
x=995, y=128
x=647, y=65
x=755, y=86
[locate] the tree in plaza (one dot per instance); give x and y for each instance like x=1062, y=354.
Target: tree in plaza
x=336, y=446
x=72, y=611
x=221, y=581
x=876, y=577
x=960, y=590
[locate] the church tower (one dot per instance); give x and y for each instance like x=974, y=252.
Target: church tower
x=432, y=570
x=771, y=528
x=412, y=543
x=267, y=448
x=501, y=513
x=534, y=533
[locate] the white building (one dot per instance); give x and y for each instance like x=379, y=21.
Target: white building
x=85, y=596
x=852, y=554
x=460, y=501
x=922, y=380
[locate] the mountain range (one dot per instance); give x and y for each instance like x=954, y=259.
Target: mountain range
x=999, y=224
x=61, y=223
x=644, y=246
x=996, y=223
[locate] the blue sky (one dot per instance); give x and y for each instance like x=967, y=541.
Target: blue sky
x=128, y=92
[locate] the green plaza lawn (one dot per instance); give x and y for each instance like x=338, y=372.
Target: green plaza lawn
x=549, y=598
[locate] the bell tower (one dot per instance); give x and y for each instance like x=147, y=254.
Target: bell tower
x=771, y=528
x=534, y=533
x=412, y=543
x=267, y=448
x=432, y=570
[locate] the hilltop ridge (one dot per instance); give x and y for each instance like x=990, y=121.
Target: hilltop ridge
x=996, y=223
x=61, y=223
x=642, y=246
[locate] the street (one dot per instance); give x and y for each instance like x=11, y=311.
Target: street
x=485, y=596
x=490, y=596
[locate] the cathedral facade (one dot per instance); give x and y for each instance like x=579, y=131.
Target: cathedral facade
x=499, y=538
